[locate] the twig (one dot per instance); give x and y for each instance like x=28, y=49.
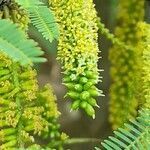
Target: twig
x=81, y=140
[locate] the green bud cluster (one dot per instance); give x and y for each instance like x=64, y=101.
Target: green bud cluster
x=15, y=13
x=78, y=51
x=123, y=102
x=83, y=91
x=26, y=113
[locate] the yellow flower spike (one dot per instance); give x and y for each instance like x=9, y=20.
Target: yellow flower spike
x=143, y=50
x=48, y=100
x=11, y=106
x=39, y=125
x=123, y=68
x=77, y=47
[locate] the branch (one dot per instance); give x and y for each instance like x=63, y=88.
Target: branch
x=81, y=140
x=73, y=141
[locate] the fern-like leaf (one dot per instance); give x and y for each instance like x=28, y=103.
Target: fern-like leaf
x=43, y=19
x=135, y=135
x=13, y=42
x=29, y=3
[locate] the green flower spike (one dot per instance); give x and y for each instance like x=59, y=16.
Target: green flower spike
x=78, y=51
x=124, y=102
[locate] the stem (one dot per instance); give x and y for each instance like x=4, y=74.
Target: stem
x=81, y=140
x=73, y=141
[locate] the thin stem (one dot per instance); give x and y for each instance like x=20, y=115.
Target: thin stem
x=73, y=141
x=81, y=140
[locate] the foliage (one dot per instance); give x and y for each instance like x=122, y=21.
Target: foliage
x=78, y=51
x=27, y=113
x=42, y=18
x=29, y=3
x=17, y=46
x=44, y=23
x=135, y=135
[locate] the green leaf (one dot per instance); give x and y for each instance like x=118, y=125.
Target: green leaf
x=135, y=135
x=43, y=19
x=13, y=42
x=29, y=3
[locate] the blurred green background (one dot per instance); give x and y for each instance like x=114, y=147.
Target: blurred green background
x=77, y=124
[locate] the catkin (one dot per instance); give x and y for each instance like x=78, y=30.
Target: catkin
x=143, y=50
x=123, y=98
x=78, y=51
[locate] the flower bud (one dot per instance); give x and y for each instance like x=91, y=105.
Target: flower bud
x=78, y=87
x=92, y=102
x=83, y=80
x=88, y=85
x=93, y=92
x=83, y=104
x=73, y=95
x=90, y=110
x=75, y=105
x=84, y=95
